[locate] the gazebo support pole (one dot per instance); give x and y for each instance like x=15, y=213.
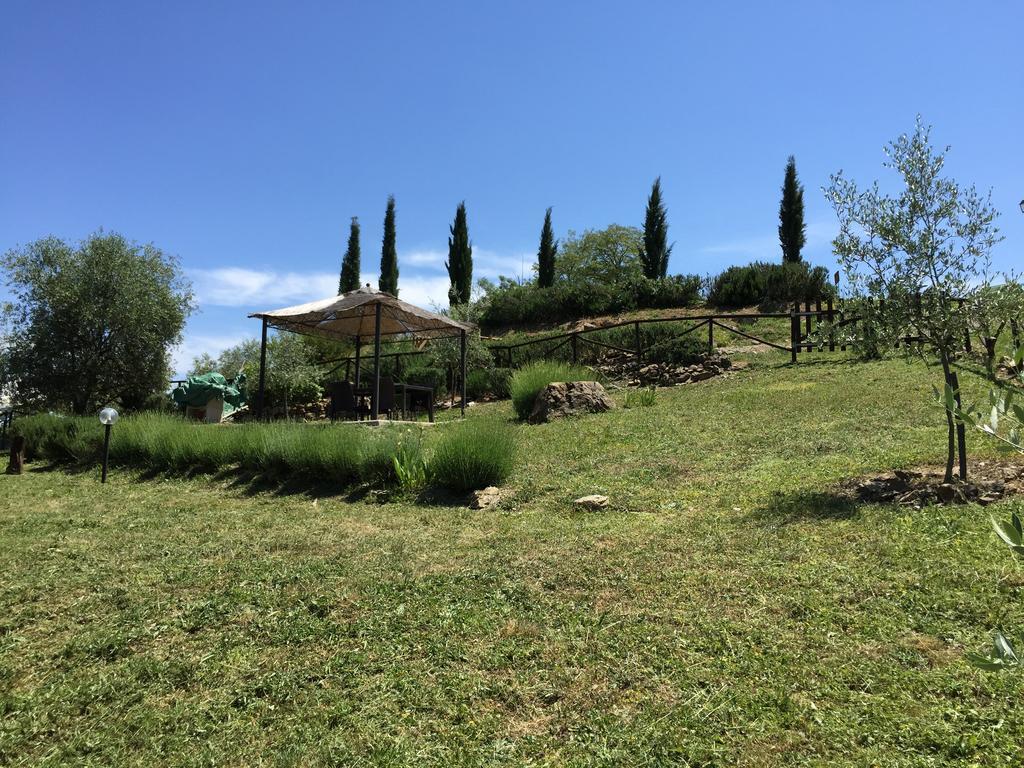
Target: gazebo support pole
x=263, y=372
x=359, y=346
x=374, y=408
x=462, y=369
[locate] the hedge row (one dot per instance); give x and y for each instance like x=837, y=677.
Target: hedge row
x=340, y=454
x=517, y=305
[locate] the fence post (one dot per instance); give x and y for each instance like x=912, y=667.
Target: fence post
x=575, y=348
x=831, y=326
x=639, y=348
x=807, y=325
x=794, y=331
x=711, y=337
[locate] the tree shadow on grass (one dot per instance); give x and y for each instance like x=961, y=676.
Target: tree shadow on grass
x=800, y=506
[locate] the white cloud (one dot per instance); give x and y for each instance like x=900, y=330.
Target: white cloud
x=260, y=289
x=194, y=345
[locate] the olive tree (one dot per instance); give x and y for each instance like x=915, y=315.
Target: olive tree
x=92, y=323
x=919, y=252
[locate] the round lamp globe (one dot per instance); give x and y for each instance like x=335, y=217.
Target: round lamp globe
x=108, y=417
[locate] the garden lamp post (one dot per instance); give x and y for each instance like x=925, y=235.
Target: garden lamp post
x=108, y=418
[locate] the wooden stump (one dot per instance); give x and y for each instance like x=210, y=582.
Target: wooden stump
x=17, y=462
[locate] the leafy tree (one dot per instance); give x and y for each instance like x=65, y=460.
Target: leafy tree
x=349, y=280
x=918, y=251
x=607, y=256
x=293, y=376
x=656, y=250
x=460, y=259
x=388, y=281
x=792, y=231
x=547, y=253
x=92, y=323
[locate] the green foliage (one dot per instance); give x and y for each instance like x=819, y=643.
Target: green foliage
x=59, y=439
x=511, y=305
x=478, y=383
x=460, y=259
x=349, y=280
x=606, y=256
x=792, y=231
x=919, y=250
x=473, y=454
x=410, y=465
x=661, y=342
x=426, y=374
x=293, y=376
x=769, y=285
x=388, y=281
x=639, y=398
x=547, y=253
x=527, y=382
x=655, y=252
x=91, y=324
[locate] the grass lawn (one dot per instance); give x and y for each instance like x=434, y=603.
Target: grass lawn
x=727, y=609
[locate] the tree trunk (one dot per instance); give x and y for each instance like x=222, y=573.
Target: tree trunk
x=17, y=462
x=961, y=429
x=950, y=426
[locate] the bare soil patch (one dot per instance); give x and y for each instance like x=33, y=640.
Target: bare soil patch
x=988, y=481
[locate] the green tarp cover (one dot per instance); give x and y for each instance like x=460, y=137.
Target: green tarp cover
x=197, y=391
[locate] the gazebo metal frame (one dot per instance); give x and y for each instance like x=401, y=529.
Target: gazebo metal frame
x=355, y=316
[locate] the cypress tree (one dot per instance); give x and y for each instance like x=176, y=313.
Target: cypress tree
x=546, y=254
x=349, y=280
x=792, y=231
x=656, y=250
x=388, y=255
x=460, y=259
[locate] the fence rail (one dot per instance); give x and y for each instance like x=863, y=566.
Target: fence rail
x=814, y=327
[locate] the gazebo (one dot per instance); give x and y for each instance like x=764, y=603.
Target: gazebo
x=359, y=316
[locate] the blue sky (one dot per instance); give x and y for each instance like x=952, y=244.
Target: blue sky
x=243, y=136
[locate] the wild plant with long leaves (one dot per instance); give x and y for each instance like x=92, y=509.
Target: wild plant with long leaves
x=1003, y=420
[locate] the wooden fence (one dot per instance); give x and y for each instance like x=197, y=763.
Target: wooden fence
x=814, y=327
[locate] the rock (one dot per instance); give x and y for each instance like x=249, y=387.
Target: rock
x=594, y=501
x=485, y=499
x=569, y=398
x=946, y=492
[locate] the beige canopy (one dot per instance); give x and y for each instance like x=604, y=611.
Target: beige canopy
x=353, y=316
x=362, y=315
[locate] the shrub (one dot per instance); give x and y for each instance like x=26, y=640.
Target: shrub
x=60, y=439
x=500, y=379
x=527, y=382
x=511, y=304
x=478, y=384
x=661, y=342
x=427, y=376
x=767, y=284
x=473, y=455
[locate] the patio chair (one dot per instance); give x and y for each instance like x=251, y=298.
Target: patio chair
x=344, y=401
x=386, y=404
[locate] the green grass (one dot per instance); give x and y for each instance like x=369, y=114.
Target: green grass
x=726, y=609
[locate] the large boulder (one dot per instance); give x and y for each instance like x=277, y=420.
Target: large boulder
x=569, y=398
